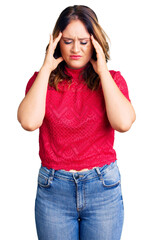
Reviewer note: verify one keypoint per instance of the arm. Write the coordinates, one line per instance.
(31, 110)
(120, 111)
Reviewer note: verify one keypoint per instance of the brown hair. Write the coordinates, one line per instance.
(90, 20)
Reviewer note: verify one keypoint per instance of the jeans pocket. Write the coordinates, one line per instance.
(111, 178)
(44, 178)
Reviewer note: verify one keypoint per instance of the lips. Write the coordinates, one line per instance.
(75, 57)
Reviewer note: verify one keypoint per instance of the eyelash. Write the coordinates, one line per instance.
(83, 43)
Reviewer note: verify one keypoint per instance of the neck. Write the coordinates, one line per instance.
(76, 69)
(76, 73)
(68, 67)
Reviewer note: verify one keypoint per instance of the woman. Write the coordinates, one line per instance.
(77, 104)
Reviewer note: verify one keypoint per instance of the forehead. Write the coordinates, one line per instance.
(76, 29)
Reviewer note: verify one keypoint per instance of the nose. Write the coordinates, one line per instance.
(75, 47)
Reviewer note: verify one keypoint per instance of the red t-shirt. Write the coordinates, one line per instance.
(75, 133)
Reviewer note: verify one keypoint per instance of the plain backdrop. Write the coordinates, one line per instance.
(24, 31)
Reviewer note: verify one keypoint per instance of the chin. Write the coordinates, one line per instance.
(76, 65)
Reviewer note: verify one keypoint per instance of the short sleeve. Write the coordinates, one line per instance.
(30, 82)
(121, 83)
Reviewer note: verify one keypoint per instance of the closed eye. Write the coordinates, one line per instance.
(69, 42)
(83, 43)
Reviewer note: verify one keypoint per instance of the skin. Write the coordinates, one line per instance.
(76, 41)
(119, 110)
(31, 110)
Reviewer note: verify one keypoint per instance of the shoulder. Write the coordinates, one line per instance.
(120, 82)
(34, 76)
(31, 81)
(117, 76)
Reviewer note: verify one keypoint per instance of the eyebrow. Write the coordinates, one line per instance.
(85, 38)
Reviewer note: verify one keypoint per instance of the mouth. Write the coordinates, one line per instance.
(75, 57)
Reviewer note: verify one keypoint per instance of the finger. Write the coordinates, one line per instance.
(93, 39)
(50, 41)
(59, 36)
(60, 59)
(50, 38)
(56, 40)
(95, 44)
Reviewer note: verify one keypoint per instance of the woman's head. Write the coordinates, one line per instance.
(75, 45)
(70, 20)
(77, 22)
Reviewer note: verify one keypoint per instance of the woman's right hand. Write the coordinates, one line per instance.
(50, 62)
(32, 109)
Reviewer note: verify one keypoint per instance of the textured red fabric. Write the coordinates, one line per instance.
(75, 133)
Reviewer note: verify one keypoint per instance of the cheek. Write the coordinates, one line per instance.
(89, 51)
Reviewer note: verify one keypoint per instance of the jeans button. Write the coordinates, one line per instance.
(76, 176)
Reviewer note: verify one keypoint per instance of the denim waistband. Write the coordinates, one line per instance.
(91, 173)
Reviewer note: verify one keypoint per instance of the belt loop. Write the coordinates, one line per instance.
(51, 174)
(99, 173)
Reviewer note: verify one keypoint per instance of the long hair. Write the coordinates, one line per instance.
(90, 20)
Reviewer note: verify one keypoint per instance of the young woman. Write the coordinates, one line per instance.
(77, 104)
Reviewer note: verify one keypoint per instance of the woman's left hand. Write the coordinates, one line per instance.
(119, 110)
(100, 64)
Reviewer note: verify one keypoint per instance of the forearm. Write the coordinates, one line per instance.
(119, 110)
(31, 110)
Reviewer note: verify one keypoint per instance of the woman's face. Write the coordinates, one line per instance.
(75, 45)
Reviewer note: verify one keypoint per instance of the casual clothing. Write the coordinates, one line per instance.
(79, 206)
(75, 133)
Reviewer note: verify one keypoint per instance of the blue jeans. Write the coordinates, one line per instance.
(79, 205)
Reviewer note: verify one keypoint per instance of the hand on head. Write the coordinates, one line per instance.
(49, 61)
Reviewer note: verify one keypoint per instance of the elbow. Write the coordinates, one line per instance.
(29, 126)
(124, 128)
(28, 123)
(126, 125)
